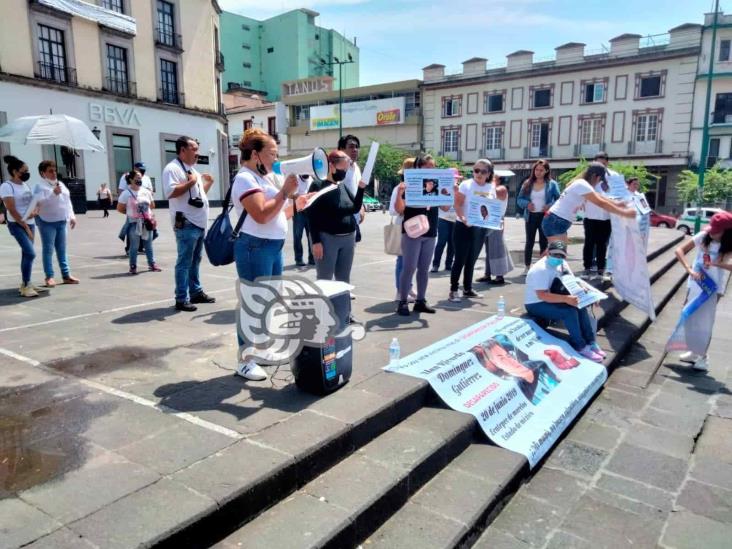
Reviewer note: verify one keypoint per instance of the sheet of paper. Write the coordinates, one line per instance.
(586, 294)
(320, 193)
(370, 162)
(433, 187)
(641, 204)
(31, 207)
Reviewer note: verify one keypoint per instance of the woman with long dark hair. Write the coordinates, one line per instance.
(537, 194)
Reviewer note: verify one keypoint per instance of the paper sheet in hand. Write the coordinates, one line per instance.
(31, 207)
(641, 204)
(618, 188)
(585, 293)
(485, 212)
(317, 195)
(370, 162)
(429, 188)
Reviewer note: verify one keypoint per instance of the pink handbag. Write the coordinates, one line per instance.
(416, 226)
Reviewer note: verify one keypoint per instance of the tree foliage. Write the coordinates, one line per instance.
(717, 186)
(626, 170)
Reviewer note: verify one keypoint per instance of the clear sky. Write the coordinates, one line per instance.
(399, 37)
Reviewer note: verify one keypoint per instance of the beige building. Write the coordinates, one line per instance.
(720, 111)
(140, 73)
(387, 113)
(633, 100)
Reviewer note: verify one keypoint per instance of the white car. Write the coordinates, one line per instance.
(688, 218)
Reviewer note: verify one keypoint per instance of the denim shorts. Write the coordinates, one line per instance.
(553, 225)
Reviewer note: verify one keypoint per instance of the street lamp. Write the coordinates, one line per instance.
(340, 64)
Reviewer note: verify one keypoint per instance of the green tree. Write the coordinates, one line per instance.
(626, 170)
(717, 186)
(388, 163)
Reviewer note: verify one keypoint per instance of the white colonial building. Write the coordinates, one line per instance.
(633, 100)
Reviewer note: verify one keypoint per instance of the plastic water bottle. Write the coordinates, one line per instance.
(501, 307)
(394, 352)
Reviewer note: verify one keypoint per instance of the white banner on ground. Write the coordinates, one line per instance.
(522, 385)
(630, 266)
(432, 187)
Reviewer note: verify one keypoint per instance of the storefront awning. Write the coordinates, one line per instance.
(105, 17)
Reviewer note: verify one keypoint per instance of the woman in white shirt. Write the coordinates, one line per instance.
(104, 195)
(258, 247)
(137, 203)
(17, 197)
(54, 213)
(580, 190)
(498, 262)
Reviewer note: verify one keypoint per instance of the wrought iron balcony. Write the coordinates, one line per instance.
(57, 73)
(167, 38)
(119, 86)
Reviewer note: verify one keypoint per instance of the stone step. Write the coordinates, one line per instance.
(348, 501)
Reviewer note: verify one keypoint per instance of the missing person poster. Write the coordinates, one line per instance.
(586, 294)
(523, 385)
(630, 265)
(485, 212)
(432, 187)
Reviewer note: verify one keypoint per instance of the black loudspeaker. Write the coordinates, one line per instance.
(323, 370)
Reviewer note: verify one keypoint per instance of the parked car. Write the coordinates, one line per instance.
(661, 220)
(370, 203)
(688, 218)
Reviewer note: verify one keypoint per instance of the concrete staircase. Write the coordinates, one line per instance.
(381, 464)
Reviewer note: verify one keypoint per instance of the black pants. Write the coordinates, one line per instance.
(597, 235)
(532, 225)
(467, 242)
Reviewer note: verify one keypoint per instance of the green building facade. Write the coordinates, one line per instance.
(260, 55)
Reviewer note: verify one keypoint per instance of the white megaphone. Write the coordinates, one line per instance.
(314, 165)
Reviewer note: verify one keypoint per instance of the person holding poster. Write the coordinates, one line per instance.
(468, 239)
(706, 283)
(597, 237)
(417, 246)
(536, 196)
(644, 212)
(407, 164)
(351, 145)
(498, 261)
(445, 227)
(541, 302)
(578, 192)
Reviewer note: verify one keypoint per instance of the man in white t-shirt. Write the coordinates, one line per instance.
(186, 190)
(603, 158)
(351, 145)
(146, 181)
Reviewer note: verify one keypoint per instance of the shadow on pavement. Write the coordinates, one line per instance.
(10, 297)
(148, 315)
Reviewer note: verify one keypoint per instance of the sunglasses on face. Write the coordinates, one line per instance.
(479, 170)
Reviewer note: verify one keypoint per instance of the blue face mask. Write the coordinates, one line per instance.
(554, 261)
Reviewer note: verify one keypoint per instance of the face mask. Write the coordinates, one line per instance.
(25, 176)
(339, 175)
(554, 261)
(260, 168)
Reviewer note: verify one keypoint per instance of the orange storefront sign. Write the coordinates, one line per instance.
(388, 117)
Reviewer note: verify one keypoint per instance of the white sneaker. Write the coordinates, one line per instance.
(251, 370)
(689, 357)
(28, 291)
(701, 364)
(454, 297)
(607, 277)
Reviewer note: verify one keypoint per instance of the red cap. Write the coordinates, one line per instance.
(720, 222)
(335, 155)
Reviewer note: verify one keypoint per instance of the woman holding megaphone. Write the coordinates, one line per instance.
(258, 247)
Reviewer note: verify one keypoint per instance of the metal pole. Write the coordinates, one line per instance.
(340, 99)
(705, 131)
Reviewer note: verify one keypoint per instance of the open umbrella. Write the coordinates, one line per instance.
(51, 129)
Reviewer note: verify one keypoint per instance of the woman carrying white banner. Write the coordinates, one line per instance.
(706, 283)
(579, 191)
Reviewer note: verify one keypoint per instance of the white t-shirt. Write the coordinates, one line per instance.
(470, 188)
(538, 199)
(147, 183)
(540, 277)
(22, 195)
(596, 212)
(142, 196)
(247, 183)
(353, 176)
(392, 203)
(449, 215)
(173, 175)
(53, 207)
(122, 185)
(715, 273)
(571, 200)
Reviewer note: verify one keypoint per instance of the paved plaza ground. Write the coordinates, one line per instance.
(105, 389)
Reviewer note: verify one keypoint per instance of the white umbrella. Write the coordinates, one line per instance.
(51, 129)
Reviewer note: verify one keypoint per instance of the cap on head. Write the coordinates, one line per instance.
(557, 247)
(140, 165)
(720, 222)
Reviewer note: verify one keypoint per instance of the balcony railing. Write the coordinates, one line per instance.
(168, 39)
(722, 117)
(493, 154)
(452, 155)
(588, 150)
(118, 86)
(57, 73)
(167, 95)
(538, 152)
(219, 61)
(645, 147)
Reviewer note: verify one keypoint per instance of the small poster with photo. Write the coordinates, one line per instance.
(641, 203)
(485, 212)
(586, 294)
(426, 188)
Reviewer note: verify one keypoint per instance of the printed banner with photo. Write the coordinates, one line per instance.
(630, 266)
(523, 385)
(586, 294)
(429, 188)
(485, 212)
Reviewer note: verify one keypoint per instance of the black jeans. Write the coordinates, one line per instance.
(300, 225)
(467, 242)
(532, 225)
(597, 236)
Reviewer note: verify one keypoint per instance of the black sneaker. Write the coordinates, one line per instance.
(497, 281)
(485, 278)
(202, 298)
(300, 263)
(420, 306)
(403, 309)
(185, 306)
(435, 269)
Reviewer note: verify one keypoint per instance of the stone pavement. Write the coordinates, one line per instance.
(108, 397)
(648, 465)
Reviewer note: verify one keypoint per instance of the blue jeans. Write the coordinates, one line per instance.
(300, 225)
(135, 244)
(577, 321)
(553, 225)
(257, 257)
(189, 240)
(444, 238)
(53, 237)
(28, 254)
